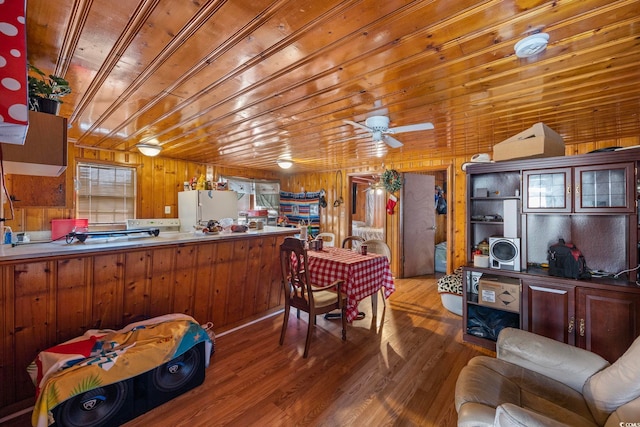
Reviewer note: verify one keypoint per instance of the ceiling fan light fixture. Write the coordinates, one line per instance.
(149, 150)
(380, 123)
(284, 163)
(531, 45)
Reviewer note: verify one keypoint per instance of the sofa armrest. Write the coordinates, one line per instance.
(625, 414)
(563, 362)
(510, 415)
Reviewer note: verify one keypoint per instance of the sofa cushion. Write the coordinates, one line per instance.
(614, 386)
(493, 382)
(626, 413)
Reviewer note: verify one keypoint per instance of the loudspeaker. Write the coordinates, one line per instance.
(475, 280)
(173, 378)
(504, 253)
(118, 403)
(511, 218)
(111, 405)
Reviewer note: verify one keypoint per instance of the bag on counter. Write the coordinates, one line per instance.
(566, 260)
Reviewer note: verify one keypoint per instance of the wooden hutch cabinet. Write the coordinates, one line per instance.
(588, 189)
(590, 200)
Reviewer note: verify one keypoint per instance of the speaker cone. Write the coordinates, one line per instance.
(93, 408)
(176, 373)
(504, 250)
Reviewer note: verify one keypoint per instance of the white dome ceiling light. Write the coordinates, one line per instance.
(150, 150)
(284, 163)
(531, 45)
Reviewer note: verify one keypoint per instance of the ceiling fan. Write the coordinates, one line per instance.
(378, 126)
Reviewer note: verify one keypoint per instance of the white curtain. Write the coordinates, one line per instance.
(375, 208)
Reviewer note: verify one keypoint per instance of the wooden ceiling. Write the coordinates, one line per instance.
(244, 82)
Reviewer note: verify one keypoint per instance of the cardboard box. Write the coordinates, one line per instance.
(500, 292)
(537, 141)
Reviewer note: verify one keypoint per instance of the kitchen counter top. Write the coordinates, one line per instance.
(60, 247)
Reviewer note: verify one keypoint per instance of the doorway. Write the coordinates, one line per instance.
(367, 212)
(424, 223)
(359, 185)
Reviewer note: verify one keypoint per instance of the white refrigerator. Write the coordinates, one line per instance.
(203, 205)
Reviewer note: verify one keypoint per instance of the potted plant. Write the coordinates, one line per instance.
(45, 91)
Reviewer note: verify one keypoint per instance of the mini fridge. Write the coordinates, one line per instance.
(203, 205)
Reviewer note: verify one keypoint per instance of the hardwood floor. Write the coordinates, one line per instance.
(400, 370)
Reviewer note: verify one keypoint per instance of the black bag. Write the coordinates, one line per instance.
(441, 206)
(566, 260)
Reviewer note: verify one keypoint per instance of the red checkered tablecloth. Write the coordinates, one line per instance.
(363, 275)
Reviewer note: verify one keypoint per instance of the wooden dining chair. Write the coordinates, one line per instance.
(301, 294)
(352, 242)
(328, 239)
(376, 246)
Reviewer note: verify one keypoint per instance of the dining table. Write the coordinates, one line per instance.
(363, 275)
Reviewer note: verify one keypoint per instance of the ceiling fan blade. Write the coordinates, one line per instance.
(358, 125)
(411, 128)
(379, 109)
(391, 141)
(359, 136)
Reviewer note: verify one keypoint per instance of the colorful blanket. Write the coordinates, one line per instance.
(301, 208)
(103, 357)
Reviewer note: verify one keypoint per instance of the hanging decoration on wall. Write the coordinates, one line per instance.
(391, 180)
(391, 204)
(339, 200)
(323, 198)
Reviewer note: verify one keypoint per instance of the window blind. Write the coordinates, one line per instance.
(105, 194)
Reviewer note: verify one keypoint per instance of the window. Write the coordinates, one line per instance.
(105, 194)
(255, 194)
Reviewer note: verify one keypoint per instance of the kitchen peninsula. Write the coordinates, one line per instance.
(52, 292)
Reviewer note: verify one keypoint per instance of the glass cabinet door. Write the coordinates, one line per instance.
(604, 188)
(547, 190)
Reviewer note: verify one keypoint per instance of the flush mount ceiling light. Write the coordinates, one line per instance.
(284, 163)
(531, 45)
(149, 149)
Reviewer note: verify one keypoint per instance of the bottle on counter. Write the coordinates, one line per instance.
(8, 236)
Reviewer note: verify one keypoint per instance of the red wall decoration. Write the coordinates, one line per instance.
(14, 112)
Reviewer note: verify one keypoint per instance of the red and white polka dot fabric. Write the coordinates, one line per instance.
(14, 112)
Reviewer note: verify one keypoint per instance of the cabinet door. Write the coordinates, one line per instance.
(608, 321)
(33, 191)
(549, 310)
(605, 188)
(547, 190)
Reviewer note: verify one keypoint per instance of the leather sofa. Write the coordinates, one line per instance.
(536, 381)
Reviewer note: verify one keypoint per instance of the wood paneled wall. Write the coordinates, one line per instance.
(160, 180)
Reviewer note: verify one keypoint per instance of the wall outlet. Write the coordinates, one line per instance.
(167, 209)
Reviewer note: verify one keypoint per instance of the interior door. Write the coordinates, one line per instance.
(418, 225)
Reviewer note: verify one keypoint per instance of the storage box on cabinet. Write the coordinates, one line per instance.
(537, 141)
(502, 293)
